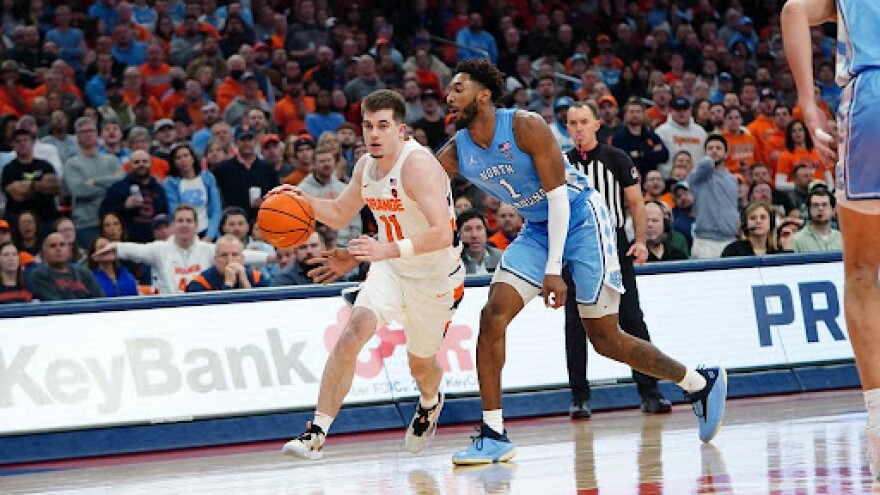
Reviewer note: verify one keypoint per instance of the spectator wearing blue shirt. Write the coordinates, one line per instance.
(477, 40)
(71, 41)
(144, 14)
(106, 13)
(96, 88)
(126, 50)
(323, 119)
(110, 274)
(210, 116)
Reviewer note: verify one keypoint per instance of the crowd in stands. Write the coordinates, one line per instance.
(138, 138)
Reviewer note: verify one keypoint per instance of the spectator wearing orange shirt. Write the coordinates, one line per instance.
(13, 94)
(174, 96)
(231, 85)
(139, 139)
(774, 143)
(763, 126)
(509, 224)
(657, 114)
(290, 111)
(655, 189)
(140, 33)
(53, 80)
(156, 73)
(799, 150)
(742, 147)
(189, 110)
(132, 83)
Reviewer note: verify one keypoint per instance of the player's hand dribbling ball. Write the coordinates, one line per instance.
(286, 219)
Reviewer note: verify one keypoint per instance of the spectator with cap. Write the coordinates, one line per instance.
(657, 113)
(290, 112)
(683, 212)
(165, 133)
(608, 115)
(642, 145)
(478, 256)
(115, 106)
(745, 34)
(725, 85)
(432, 120)
(86, 178)
(228, 270)
(161, 227)
(680, 132)
(250, 97)
(558, 128)
(303, 161)
(29, 182)
(210, 114)
(191, 185)
(137, 198)
(245, 179)
(762, 126)
(272, 150)
(366, 81)
(249, 54)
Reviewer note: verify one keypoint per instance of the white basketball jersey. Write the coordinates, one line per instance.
(400, 217)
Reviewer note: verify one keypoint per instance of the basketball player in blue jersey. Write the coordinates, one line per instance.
(858, 168)
(511, 154)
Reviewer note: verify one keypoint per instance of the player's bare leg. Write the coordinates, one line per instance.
(492, 444)
(335, 383)
(427, 374)
(706, 388)
(861, 260)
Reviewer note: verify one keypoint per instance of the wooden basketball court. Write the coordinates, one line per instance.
(796, 444)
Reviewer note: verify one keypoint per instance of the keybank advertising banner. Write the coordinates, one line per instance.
(173, 364)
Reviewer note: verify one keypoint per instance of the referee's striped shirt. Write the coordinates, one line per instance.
(609, 171)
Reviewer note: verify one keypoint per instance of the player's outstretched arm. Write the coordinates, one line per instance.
(797, 17)
(535, 138)
(335, 213)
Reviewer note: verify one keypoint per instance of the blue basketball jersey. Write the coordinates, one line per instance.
(858, 39)
(509, 174)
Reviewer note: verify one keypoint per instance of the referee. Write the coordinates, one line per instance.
(612, 174)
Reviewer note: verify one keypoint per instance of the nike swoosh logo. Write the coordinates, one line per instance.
(443, 294)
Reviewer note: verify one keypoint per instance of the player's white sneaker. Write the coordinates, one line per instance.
(308, 445)
(422, 426)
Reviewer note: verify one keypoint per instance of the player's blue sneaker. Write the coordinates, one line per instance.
(487, 447)
(709, 403)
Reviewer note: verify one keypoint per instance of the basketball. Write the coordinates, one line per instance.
(286, 220)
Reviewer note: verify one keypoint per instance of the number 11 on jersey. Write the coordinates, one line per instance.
(392, 235)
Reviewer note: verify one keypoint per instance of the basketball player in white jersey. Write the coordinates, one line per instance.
(858, 168)
(416, 277)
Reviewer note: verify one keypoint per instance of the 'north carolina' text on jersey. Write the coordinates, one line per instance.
(508, 173)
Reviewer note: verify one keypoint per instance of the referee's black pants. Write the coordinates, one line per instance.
(630, 318)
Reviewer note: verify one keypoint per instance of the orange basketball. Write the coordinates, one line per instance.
(286, 220)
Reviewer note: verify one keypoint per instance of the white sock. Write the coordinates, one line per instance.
(428, 404)
(323, 420)
(494, 420)
(872, 404)
(692, 381)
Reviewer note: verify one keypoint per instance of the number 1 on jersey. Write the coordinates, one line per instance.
(510, 189)
(397, 233)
